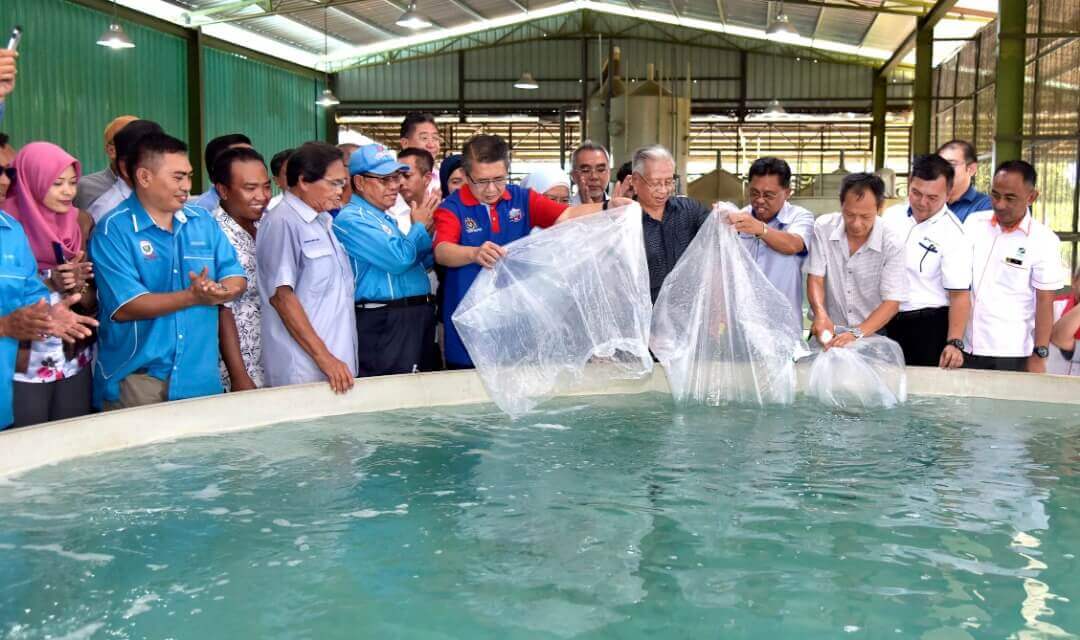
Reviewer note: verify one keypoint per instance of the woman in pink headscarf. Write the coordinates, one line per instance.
(52, 382)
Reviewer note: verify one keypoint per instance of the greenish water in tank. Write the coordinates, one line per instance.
(606, 517)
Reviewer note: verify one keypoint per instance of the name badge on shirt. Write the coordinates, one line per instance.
(471, 226)
(1018, 259)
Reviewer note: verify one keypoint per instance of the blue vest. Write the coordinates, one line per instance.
(476, 228)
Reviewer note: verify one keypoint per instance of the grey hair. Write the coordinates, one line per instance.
(589, 145)
(654, 152)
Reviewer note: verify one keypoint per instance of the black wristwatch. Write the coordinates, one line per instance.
(956, 342)
(1042, 352)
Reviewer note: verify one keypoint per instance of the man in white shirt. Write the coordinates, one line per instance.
(124, 142)
(1016, 270)
(930, 325)
(590, 169)
(775, 232)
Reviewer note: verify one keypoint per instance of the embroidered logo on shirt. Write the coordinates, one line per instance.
(147, 249)
(471, 226)
(515, 215)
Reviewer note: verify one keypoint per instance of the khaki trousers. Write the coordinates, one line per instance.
(138, 390)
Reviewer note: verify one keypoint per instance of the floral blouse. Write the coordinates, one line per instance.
(48, 363)
(245, 309)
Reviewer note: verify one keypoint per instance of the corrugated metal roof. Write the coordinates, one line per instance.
(365, 25)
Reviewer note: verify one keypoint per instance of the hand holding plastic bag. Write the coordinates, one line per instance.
(868, 373)
(572, 294)
(717, 324)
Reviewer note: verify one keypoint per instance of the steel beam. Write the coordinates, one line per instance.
(1009, 92)
(929, 21)
(196, 104)
(877, 125)
(923, 100)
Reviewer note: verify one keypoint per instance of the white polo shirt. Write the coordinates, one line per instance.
(938, 256)
(1008, 268)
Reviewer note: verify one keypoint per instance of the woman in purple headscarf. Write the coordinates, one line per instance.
(52, 381)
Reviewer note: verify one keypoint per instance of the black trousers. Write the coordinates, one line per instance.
(37, 402)
(992, 363)
(922, 335)
(396, 340)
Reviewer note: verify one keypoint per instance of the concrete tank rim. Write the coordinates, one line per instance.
(27, 448)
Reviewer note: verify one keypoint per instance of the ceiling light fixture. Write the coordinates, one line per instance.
(413, 19)
(327, 97)
(114, 37)
(527, 82)
(781, 25)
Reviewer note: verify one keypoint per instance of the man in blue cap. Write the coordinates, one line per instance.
(395, 311)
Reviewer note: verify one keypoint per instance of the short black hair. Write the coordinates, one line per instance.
(770, 166)
(412, 119)
(279, 160)
(310, 161)
(1026, 171)
(484, 148)
(128, 137)
(860, 183)
(963, 145)
(219, 144)
(222, 169)
(423, 159)
(4, 139)
(625, 170)
(930, 167)
(150, 147)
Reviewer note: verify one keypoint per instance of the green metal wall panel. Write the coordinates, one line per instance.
(272, 106)
(69, 88)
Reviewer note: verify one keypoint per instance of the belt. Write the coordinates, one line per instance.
(413, 301)
(918, 313)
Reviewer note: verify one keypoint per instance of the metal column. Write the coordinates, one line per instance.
(877, 124)
(923, 102)
(196, 103)
(1009, 94)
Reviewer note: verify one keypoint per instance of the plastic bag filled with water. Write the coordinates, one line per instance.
(574, 294)
(866, 374)
(720, 327)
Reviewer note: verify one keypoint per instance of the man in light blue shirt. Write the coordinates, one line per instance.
(24, 312)
(775, 232)
(395, 312)
(162, 268)
(210, 199)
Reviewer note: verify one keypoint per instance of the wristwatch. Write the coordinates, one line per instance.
(1042, 352)
(857, 332)
(956, 342)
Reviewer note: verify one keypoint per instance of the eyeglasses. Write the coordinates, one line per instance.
(427, 137)
(337, 184)
(9, 172)
(769, 196)
(588, 171)
(498, 183)
(663, 185)
(386, 180)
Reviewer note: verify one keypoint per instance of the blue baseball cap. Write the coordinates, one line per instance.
(374, 159)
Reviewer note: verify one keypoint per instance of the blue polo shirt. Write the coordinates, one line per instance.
(969, 203)
(134, 257)
(387, 264)
(464, 220)
(19, 286)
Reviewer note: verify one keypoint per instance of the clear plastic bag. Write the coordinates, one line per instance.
(561, 298)
(868, 373)
(717, 325)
